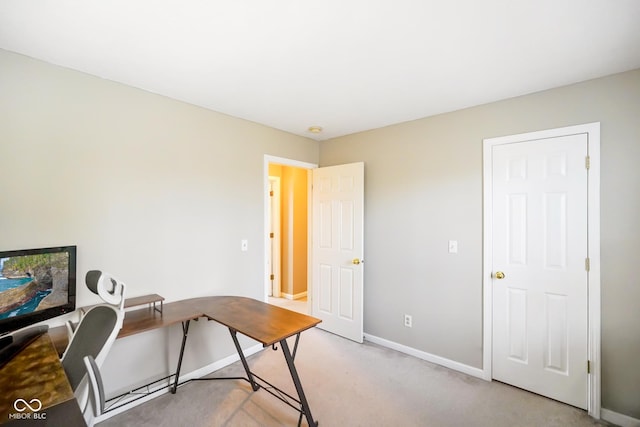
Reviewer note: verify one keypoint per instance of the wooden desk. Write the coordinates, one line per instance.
(265, 323)
(36, 373)
(268, 325)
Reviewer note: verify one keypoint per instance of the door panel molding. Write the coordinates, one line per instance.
(592, 130)
(338, 247)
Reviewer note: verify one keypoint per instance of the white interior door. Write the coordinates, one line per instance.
(540, 278)
(337, 260)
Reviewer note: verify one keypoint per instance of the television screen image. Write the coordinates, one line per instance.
(35, 285)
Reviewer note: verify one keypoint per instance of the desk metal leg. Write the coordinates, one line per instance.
(254, 385)
(185, 332)
(296, 381)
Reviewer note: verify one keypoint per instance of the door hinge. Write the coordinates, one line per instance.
(271, 193)
(271, 235)
(588, 366)
(272, 277)
(587, 162)
(587, 264)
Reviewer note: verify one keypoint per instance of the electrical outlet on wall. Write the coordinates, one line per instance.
(408, 320)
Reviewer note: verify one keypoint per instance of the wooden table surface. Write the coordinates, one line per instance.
(34, 373)
(265, 323)
(259, 320)
(147, 319)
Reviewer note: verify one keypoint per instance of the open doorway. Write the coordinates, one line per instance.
(333, 264)
(286, 222)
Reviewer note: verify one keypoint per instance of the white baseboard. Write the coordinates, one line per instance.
(447, 363)
(198, 373)
(294, 296)
(618, 419)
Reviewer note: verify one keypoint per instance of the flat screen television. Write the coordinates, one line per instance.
(36, 285)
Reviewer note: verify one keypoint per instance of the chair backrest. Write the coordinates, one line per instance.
(93, 337)
(95, 407)
(95, 333)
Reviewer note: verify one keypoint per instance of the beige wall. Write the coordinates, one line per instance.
(155, 191)
(299, 241)
(423, 186)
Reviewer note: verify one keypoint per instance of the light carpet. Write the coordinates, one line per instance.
(351, 384)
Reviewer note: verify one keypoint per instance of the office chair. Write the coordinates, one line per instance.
(95, 406)
(95, 333)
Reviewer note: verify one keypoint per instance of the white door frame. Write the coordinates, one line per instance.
(273, 257)
(593, 249)
(298, 164)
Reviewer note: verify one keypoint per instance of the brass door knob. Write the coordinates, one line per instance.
(499, 275)
(357, 261)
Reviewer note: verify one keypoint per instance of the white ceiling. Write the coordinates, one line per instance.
(344, 65)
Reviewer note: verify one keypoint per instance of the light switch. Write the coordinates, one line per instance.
(244, 245)
(453, 246)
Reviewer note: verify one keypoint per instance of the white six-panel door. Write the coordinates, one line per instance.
(540, 280)
(337, 264)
